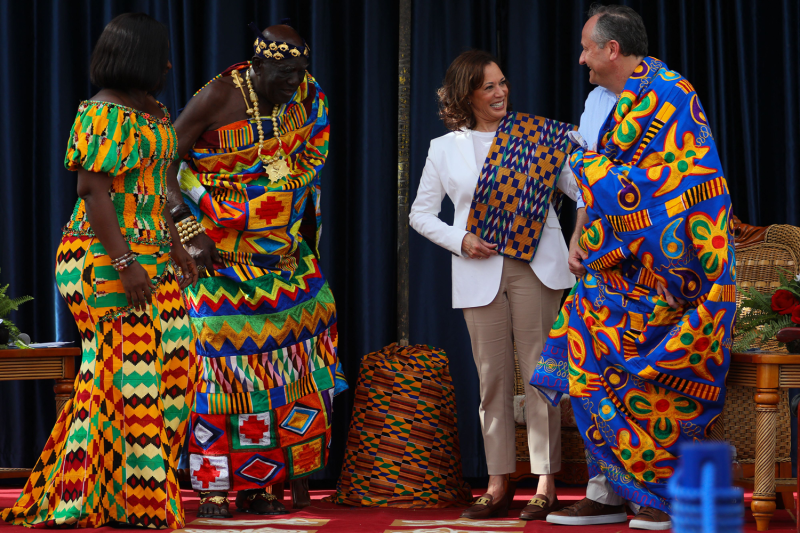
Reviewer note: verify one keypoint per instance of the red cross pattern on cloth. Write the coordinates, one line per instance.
(253, 429)
(269, 209)
(206, 474)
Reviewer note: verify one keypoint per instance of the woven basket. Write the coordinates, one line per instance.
(402, 448)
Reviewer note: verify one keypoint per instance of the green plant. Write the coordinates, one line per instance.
(8, 304)
(761, 316)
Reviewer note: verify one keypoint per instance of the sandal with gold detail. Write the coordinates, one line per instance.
(259, 501)
(539, 507)
(218, 502)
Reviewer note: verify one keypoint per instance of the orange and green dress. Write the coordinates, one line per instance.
(113, 453)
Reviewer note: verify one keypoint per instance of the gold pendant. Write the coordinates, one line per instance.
(277, 170)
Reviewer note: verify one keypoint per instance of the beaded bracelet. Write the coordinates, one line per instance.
(188, 229)
(180, 212)
(122, 258)
(124, 261)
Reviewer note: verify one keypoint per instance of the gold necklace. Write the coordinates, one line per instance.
(275, 166)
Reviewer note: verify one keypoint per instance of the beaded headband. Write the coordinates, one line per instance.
(276, 50)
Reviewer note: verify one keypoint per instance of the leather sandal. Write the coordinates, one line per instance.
(221, 502)
(538, 508)
(245, 501)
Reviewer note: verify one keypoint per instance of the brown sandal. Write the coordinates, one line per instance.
(245, 501)
(221, 502)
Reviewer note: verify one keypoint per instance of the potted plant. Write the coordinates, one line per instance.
(761, 316)
(8, 331)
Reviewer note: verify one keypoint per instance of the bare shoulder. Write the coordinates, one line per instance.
(111, 96)
(216, 94)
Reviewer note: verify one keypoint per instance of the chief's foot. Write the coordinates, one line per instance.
(652, 519)
(259, 501)
(588, 512)
(214, 505)
(300, 497)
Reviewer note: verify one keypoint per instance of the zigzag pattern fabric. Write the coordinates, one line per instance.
(645, 378)
(266, 322)
(402, 448)
(518, 183)
(113, 453)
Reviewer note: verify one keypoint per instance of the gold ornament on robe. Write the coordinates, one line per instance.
(277, 170)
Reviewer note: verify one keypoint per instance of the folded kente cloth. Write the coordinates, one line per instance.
(518, 182)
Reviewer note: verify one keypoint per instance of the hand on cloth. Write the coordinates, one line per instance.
(138, 285)
(474, 247)
(577, 256)
(673, 302)
(203, 250)
(188, 269)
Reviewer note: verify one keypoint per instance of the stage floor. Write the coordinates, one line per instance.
(325, 517)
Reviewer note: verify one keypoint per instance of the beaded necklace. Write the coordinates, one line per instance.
(275, 166)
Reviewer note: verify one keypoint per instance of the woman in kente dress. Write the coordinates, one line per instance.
(113, 452)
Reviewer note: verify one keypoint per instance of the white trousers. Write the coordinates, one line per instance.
(601, 491)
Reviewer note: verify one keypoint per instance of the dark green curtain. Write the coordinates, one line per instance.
(741, 56)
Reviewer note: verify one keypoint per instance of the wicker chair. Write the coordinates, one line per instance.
(759, 250)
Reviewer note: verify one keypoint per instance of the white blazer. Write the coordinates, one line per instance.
(451, 170)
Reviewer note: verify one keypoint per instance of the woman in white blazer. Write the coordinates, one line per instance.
(504, 300)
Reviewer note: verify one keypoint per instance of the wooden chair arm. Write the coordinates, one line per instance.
(745, 234)
(788, 335)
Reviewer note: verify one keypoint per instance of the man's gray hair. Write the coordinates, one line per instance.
(621, 24)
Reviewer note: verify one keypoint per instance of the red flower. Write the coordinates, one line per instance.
(796, 314)
(783, 302)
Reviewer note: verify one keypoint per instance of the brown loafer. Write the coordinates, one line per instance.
(538, 508)
(486, 507)
(652, 519)
(588, 512)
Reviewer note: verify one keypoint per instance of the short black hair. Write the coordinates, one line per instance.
(131, 53)
(621, 24)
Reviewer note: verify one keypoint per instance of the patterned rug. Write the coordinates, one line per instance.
(322, 517)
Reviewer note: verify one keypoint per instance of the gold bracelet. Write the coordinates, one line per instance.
(189, 228)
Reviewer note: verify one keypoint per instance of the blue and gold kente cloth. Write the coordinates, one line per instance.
(645, 378)
(518, 182)
(266, 321)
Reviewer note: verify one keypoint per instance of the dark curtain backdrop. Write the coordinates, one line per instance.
(741, 56)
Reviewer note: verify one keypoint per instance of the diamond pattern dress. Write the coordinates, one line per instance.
(113, 452)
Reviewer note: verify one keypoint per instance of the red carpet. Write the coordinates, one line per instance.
(325, 517)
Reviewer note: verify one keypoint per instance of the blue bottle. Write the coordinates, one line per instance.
(703, 498)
